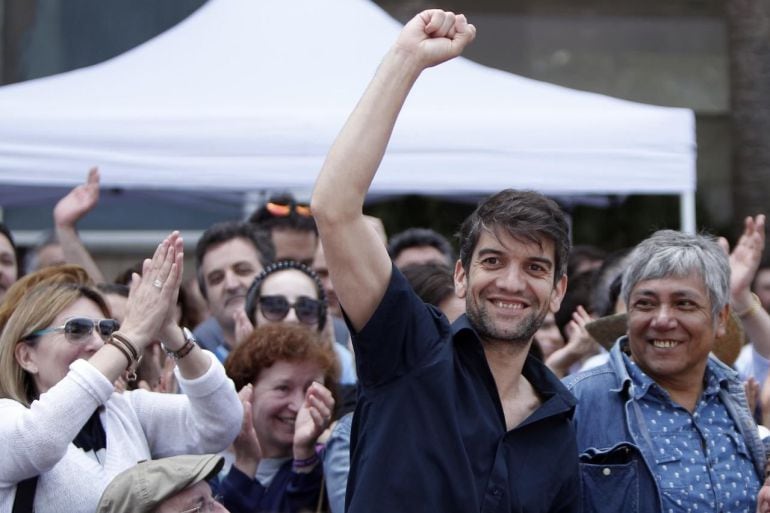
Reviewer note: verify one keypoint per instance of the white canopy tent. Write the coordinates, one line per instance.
(248, 95)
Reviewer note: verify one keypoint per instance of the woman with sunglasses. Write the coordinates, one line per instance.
(66, 432)
(289, 361)
(289, 291)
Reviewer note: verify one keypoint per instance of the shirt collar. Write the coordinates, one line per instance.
(543, 380)
(713, 380)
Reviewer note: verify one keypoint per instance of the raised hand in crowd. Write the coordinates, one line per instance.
(763, 499)
(66, 214)
(580, 344)
(163, 379)
(67, 353)
(751, 389)
(243, 326)
(744, 262)
(312, 419)
(246, 447)
(435, 36)
(152, 296)
(764, 402)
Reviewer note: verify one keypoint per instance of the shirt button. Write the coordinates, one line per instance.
(606, 471)
(496, 491)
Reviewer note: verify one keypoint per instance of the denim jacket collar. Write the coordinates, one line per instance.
(721, 372)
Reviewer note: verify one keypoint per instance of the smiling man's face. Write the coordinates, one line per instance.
(228, 270)
(671, 329)
(509, 286)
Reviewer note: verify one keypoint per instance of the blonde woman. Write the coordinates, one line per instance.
(65, 430)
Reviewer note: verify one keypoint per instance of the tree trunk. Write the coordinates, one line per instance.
(748, 23)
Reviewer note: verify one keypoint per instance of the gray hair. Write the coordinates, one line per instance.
(669, 253)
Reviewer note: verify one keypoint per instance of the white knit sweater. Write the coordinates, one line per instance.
(139, 425)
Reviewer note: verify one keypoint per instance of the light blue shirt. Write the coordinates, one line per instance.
(701, 460)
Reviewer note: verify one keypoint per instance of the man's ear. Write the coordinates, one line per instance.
(461, 287)
(722, 317)
(557, 294)
(25, 357)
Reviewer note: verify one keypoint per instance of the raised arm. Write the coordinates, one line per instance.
(67, 212)
(744, 262)
(358, 261)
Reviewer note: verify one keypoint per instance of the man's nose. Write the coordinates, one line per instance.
(232, 280)
(511, 279)
(663, 318)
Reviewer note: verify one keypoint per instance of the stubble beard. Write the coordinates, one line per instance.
(520, 334)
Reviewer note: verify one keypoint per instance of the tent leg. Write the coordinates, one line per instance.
(687, 212)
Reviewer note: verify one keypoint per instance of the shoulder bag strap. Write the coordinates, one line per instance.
(25, 496)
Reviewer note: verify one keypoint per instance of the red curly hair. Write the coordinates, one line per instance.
(272, 343)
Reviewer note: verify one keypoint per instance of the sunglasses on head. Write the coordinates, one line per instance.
(78, 330)
(284, 209)
(276, 308)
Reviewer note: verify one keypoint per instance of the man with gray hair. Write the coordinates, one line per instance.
(664, 426)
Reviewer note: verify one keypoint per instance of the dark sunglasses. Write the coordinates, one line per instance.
(276, 308)
(285, 209)
(78, 330)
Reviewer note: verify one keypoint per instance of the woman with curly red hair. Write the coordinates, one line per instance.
(281, 370)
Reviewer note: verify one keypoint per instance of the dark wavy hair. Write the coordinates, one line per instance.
(252, 297)
(220, 233)
(526, 216)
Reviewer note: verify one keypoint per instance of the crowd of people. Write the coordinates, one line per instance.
(313, 364)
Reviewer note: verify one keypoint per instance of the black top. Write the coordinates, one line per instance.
(429, 432)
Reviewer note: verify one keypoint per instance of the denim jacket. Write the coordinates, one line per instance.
(616, 450)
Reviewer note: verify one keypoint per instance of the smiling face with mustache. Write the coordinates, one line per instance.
(228, 269)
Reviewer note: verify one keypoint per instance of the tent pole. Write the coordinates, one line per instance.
(687, 212)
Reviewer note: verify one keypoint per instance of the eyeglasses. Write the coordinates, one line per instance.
(205, 505)
(276, 308)
(285, 209)
(78, 330)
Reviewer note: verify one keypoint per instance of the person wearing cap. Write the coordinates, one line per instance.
(167, 485)
(664, 425)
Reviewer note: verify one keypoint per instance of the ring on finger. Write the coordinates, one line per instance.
(157, 283)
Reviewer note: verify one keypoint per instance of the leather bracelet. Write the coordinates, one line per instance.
(122, 350)
(132, 364)
(183, 351)
(129, 345)
(129, 350)
(751, 310)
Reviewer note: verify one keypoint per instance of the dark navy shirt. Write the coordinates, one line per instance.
(429, 431)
